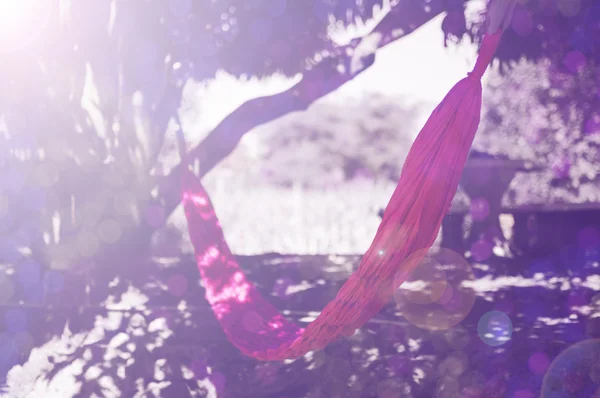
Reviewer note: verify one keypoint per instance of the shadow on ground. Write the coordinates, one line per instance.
(161, 338)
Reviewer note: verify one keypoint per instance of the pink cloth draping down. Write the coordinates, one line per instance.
(411, 222)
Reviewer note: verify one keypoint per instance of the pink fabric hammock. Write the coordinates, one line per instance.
(411, 222)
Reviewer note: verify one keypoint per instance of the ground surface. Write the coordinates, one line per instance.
(161, 339)
(389, 357)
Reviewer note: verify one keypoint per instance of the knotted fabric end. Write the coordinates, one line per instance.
(486, 52)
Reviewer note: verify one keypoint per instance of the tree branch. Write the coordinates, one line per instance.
(343, 65)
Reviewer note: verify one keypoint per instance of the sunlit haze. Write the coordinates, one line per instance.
(409, 67)
(21, 21)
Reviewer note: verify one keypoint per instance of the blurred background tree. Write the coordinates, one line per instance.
(543, 114)
(91, 92)
(330, 143)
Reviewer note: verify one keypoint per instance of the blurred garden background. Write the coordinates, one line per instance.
(298, 115)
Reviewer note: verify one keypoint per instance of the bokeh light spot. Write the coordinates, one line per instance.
(480, 209)
(435, 296)
(594, 372)
(569, 8)
(482, 250)
(522, 22)
(451, 302)
(393, 388)
(454, 365)
(574, 372)
(457, 337)
(495, 328)
(433, 283)
(538, 363)
(447, 387)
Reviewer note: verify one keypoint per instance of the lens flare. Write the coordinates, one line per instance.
(495, 328)
(435, 297)
(575, 372)
(22, 22)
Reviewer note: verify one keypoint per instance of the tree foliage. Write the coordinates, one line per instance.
(564, 31)
(90, 96)
(526, 117)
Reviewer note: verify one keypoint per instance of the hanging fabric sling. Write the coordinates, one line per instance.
(411, 222)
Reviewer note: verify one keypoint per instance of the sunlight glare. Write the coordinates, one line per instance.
(21, 22)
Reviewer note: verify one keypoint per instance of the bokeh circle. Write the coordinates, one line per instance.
(575, 372)
(437, 295)
(495, 328)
